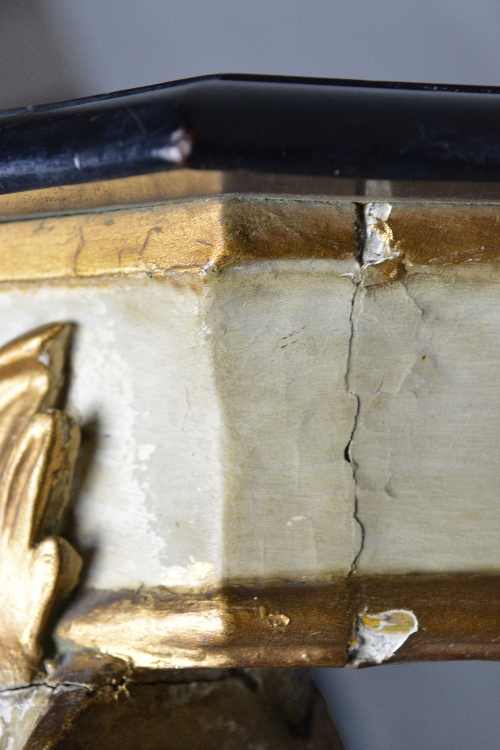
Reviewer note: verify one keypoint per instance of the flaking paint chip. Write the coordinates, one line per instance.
(378, 636)
(378, 244)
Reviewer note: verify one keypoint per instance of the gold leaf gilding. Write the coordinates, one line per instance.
(31, 378)
(37, 456)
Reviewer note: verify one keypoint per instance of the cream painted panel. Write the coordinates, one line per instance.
(221, 409)
(426, 367)
(150, 505)
(281, 338)
(215, 417)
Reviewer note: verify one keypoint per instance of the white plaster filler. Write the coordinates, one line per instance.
(378, 245)
(19, 711)
(378, 636)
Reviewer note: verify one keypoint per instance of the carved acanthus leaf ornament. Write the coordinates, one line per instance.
(38, 448)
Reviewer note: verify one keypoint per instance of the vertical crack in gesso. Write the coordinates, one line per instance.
(361, 233)
(348, 450)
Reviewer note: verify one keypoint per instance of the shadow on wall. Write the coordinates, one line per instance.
(421, 706)
(35, 66)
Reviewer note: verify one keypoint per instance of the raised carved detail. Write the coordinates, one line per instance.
(38, 448)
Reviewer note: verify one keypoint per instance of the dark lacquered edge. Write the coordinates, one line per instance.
(348, 129)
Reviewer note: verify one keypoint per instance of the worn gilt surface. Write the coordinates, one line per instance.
(289, 450)
(38, 447)
(269, 390)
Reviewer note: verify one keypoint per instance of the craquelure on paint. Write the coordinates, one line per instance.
(288, 382)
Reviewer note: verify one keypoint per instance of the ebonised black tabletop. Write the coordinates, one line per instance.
(341, 128)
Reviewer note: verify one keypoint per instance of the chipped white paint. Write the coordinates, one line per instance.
(294, 519)
(195, 577)
(144, 452)
(106, 375)
(177, 150)
(378, 245)
(378, 636)
(279, 620)
(44, 359)
(142, 378)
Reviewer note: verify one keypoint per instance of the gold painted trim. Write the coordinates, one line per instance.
(37, 456)
(192, 236)
(286, 625)
(208, 234)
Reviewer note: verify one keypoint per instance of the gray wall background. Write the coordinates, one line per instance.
(53, 49)
(58, 49)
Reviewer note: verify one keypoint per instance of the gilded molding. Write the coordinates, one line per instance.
(192, 236)
(285, 624)
(38, 448)
(206, 234)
